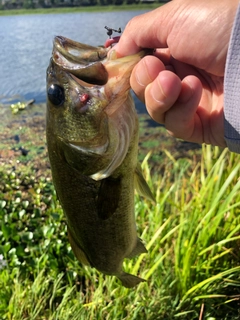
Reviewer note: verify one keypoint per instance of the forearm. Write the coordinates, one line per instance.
(232, 89)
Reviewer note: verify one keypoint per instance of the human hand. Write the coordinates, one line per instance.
(182, 84)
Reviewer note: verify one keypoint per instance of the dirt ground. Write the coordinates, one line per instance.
(23, 140)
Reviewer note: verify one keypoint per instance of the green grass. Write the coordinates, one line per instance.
(192, 235)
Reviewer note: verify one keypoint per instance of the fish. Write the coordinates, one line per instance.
(92, 140)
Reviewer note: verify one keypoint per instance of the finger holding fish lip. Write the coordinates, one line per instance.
(153, 84)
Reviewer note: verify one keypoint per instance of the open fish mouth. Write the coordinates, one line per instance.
(83, 61)
(91, 64)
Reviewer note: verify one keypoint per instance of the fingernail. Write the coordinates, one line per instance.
(186, 92)
(157, 90)
(141, 74)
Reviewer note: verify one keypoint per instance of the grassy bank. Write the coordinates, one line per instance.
(108, 8)
(192, 235)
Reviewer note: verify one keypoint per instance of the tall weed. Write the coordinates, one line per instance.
(191, 233)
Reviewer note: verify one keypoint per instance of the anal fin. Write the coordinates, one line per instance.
(139, 248)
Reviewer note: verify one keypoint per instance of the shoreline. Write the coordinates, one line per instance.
(84, 9)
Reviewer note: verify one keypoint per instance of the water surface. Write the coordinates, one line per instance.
(26, 45)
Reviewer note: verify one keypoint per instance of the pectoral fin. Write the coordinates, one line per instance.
(141, 184)
(79, 253)
(108, 197)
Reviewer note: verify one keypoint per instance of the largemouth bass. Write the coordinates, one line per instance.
(92, 138)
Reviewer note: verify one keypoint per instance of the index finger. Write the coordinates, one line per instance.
(144, 31)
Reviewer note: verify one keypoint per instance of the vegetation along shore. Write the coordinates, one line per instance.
(31, 7)
(192, 234)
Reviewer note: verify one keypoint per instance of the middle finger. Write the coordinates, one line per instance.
(144, 73)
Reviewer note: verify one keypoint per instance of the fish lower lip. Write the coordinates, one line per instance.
(79, 81)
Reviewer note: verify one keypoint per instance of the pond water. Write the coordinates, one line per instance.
(26, 45)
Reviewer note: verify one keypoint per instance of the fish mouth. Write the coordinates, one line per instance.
(90, 64)
(97, 69)
(79, 52)
(83, 61)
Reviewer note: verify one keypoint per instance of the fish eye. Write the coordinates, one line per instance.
(56, 94)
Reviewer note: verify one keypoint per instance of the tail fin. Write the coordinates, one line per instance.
(128, 280)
